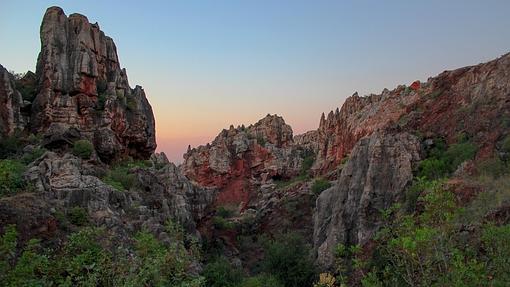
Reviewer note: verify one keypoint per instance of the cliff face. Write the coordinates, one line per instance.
(375, 177)
(82, 88)
(375, 133)
(240, 157)
(11, 105)
(471, 100)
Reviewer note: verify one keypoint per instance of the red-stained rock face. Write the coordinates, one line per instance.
(241, 156)
(83, 88)
(472, 100)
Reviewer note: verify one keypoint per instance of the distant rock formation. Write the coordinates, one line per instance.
(84, 92)
(240, 156)
(471, 100)
(11, 105)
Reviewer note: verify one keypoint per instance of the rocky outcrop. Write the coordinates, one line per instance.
(471, 100)
(160, 193)
(240, 157)
(359, 116)
(375, 177)
(11, 105)
(83, 88)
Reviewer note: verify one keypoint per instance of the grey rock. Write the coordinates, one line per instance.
(374, 178)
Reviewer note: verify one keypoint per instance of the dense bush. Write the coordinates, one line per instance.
(319, 185)
(33, 155)
(441, 161)
(10, 146)
(221, 223)
(83, 149)
(85, 260)
(220, 273)
(288, 259)
(430, 247)
(306, 165)
(11, 176)
(261, 280)
(77, 216)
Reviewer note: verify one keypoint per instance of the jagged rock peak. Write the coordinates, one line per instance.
(11, 105)
(82, 87)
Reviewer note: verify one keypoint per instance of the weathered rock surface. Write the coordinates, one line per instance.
(82, 87)
(161, 193)
(11, 105)
(472, 100)
(375, 177)
(238, 157)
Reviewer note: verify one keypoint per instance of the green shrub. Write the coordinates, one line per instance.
(430, 247)
(84, 260)
(131, 103)
(101, 102)
(83, 149)
(493, 167)
(505, 144)
(224, 212)
(33, 155)
(292, 181)
(28, 91)
(221, 223)
(220, 273)
(308, 160)
(319, 185)
(10, 147)
(496, 243)
(78, 216)
(101, 86)
(120, 178)
(288, 259)
(441, 161)
(11, 177)
(433, 168)
(262, 280)
(458, 153)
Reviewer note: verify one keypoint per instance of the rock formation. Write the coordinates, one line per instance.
(82, 88)
(160, 193)
(471, 100)
(375, 177)
(238, 157)
(11, 105)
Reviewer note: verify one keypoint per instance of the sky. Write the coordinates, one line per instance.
(206, 65)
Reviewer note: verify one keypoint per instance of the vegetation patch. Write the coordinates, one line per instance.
(443, 161)
(220, 273)
(11, 177)
(287, 258)
(319, 185)
(84, 260)
(83, 149)
(78, 216)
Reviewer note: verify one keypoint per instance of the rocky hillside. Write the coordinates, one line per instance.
(406, 188)
(239, 159)
(471, 100)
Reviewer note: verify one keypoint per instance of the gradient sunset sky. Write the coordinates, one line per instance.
(205, 65)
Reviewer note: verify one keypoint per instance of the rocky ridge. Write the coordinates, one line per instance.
(242, 157)
(83, 92)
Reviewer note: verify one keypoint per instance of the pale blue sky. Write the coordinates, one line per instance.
(208, 64)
